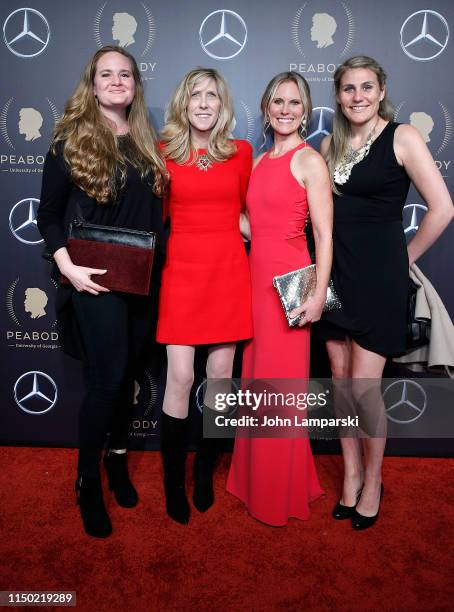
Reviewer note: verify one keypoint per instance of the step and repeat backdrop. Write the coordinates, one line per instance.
(44, 48)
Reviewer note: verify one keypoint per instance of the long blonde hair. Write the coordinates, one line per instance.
(176, 134)
(270, 92)
(341, 126)
(89, 145)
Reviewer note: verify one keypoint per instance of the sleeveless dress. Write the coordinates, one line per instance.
(370, 264)
(275, 477)
(205, 294)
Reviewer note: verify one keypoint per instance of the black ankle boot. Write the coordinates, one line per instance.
(174, 452)
(116, 465)
(204, 462)
(92, 509)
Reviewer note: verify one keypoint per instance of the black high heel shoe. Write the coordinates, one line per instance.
(341, 512)
(359, 521)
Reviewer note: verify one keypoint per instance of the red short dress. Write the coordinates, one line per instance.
(205, 294)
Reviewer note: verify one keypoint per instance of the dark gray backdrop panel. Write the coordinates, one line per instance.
(42, 55)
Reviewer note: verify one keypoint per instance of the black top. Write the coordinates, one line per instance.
(136, 207)
(370, 261)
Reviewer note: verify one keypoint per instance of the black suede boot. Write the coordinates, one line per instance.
(174, 452)
(116, 465)
(204, 462)
(92, 509)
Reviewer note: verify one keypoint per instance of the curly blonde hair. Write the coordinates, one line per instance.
(176, 134)
(90, 147)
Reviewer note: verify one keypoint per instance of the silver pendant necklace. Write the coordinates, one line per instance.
(204, 163)
(352, 157)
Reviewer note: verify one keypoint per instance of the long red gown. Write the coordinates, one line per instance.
(205, 295)
(275, 477)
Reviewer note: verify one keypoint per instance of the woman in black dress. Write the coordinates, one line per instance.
(372, 161)
(104, 162)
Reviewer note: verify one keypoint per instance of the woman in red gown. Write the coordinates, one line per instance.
(275, 477)
(205, 294)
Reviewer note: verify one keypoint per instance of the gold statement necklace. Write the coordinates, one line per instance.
(352, 157)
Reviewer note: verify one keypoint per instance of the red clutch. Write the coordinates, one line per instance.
(126, 254)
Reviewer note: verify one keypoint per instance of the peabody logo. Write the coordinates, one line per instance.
(145, 401)
(124, 29)
(26, 32)
(436, 128)
(323, 30)
(25, 303)
(22, 128)
(223, 34)
(22, 221)
(412, 217)
(321, 124)
(405, 401)
(35, 392)
(424, 35)
(243, 127)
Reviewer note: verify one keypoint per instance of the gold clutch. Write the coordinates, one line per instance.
(295, 287)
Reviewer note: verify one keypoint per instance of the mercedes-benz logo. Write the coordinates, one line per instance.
(35, 27)
(213, 33)
(321, 122)
(22, 221)
(199, 396)
(407, 397)
(434, 32)
(35, 392)
(415, 216)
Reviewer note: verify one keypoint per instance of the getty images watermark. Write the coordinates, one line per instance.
(326, 409)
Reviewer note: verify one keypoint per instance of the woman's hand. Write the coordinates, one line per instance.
(80, 278)
(310, 310)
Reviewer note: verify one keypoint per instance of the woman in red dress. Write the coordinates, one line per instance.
(275, 477)
(205, 295)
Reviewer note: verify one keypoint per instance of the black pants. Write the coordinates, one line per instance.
(115, 328)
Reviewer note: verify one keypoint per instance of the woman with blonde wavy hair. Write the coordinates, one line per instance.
(205, 296)
(103, 164)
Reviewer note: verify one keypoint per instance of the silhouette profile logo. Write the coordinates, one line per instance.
(405, 401)
(323, 28)
(123, 29)
(424, 35)
(336, 30)
(22, 221)
(223, 34)
(26, 32)
(423, 123)
(35, 392)
(413, 214)
(436, 128)
(30, 122)
(35, 302)
(26, 121)
(25, 302)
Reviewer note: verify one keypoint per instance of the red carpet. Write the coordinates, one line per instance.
(224, 560)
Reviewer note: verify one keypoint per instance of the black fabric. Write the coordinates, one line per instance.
(136, 207)
(115, 329)
(370, 265)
